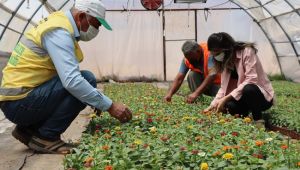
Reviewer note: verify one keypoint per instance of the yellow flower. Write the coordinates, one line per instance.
(227, 156)
(190, 127)
(138, 141)
(153, 129)
(204, 166)
(118, 128)
(93, 115)
(186, 118)
(247, 120)
(222, 121)
(193, 118)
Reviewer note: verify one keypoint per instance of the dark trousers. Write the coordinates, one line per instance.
(195, 79)
(252, 100)
(48, 110)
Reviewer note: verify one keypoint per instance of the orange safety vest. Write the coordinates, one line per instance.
(205, 64)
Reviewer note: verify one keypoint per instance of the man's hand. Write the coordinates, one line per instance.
(168, 98)
(120, 112)
(191, 98)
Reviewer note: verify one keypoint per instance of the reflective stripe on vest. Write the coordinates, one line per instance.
(33, 47)
(13, 91)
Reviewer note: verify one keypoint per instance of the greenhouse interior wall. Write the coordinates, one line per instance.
(135, 49)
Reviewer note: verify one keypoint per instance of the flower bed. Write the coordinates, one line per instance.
(177, 136)
(286, 112)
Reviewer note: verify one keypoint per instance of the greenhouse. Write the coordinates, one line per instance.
(150, 84)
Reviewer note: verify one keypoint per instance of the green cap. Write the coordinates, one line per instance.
(104, 23)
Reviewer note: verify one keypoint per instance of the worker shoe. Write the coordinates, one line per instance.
(22, 134)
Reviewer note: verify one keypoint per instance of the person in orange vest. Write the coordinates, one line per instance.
(202, 78)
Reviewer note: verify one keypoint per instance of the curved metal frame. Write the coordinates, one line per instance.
(10, 19)
(43, 2)
(29, 20)
(276, 20)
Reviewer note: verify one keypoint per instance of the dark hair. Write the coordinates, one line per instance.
(220, 40)
(223, 41)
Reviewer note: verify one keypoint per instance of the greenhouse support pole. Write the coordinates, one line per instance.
(164, 40)
(196, 26)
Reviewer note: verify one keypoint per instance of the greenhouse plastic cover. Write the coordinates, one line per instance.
(135, 49)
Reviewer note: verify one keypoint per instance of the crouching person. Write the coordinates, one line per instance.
(43, 90)
(202, 78)
(245, 86)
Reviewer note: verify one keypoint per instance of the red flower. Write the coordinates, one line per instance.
(97, 131)
(195, 152)
(259, 156)
(149, 120)
(106, 130)
(98, 126)
(235, 134)
(236, 115)
(284, 147)
(189, 141)
(109, 167)
(146, 145)
(223, 134)
(182, 148)
(164, 138)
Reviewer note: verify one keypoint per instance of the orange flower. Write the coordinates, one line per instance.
(89, 160)
(217, 153)
(225, 148)
(259, 143)
(197, 138)
(284, 147)
(107, 136)
(298, 163)
(236, 147)
(119, 132)
(243, 142)
(105, 147)
(109, 167)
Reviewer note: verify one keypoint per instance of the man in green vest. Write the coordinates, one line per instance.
(43, 90)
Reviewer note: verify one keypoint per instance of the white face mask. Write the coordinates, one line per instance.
(91, 33)
(220, 57)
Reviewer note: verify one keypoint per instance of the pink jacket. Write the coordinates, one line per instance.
(250, 71)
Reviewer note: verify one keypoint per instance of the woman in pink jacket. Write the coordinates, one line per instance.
(244, 84)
